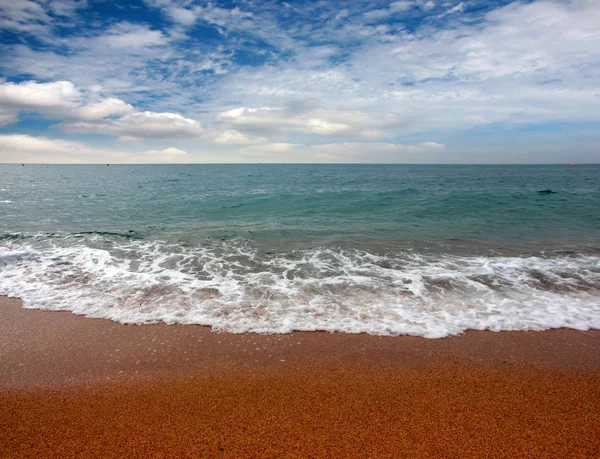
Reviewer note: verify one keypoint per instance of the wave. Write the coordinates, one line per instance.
(239, 286)
(130, 234)
(125, 234)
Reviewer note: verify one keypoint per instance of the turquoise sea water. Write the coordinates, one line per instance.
(385, 249)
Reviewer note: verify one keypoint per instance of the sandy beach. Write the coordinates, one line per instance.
(78, 387)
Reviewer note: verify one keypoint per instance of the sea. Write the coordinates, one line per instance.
(424, 250)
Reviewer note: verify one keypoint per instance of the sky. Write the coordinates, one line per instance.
(306, 81)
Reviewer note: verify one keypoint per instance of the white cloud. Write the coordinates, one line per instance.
(25, 148)
(271, 152)
(348, 152)
(141, 125)
(107, 107)
(402, 5)
(29, 144)
(56, 100)
(182, 16)
(62, 100)
(456, 8)
(167, 155)
(38, 17)
(185, 14)
(375, 15)
(32, 95)
(321, 121)
(342, 14)
(173, 151)
(229, 18)
(23, 15)
(232, 137)
(393, 8)
(132, 36)
(61, 96)
(8, 117)
(66, 7)
(30, 149)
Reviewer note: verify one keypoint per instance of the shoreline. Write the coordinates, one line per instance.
(74, 386)
(37, 349)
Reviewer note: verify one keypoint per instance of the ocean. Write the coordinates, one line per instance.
(426, 250)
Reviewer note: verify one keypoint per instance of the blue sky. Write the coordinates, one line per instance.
(409, 81)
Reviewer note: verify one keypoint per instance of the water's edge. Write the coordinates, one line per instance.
(238, 286)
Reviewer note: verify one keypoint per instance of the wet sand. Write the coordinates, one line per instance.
(77, 387)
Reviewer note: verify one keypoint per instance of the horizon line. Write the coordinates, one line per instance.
(299, 164)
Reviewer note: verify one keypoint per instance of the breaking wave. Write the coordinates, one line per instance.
(239, 286)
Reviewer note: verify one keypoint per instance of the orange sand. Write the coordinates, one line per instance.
(69, 388)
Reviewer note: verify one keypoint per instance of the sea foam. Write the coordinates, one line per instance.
(236, 286)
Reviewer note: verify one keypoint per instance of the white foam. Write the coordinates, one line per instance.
(234, 287)
(6, 201)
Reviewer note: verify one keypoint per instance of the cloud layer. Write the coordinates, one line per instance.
(301, 81)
